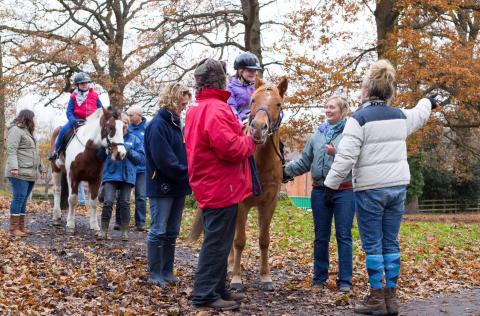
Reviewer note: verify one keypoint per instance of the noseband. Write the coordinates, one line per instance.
(272, 128)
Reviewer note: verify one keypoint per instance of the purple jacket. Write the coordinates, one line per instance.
(240, 97)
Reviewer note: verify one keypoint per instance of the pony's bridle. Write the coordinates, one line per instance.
(272, 128)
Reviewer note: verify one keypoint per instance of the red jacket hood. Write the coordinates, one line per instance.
(207, 93)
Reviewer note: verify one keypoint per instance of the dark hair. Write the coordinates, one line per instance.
(24, 119)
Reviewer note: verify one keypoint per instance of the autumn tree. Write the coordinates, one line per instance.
(121, 43)
(434, 46)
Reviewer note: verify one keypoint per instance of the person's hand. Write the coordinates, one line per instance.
(329, 197)
(434, 100)
(330, 149)
(78, 123)
(286, 178)
(14, 172)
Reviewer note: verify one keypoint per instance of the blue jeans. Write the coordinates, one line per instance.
(81, 194)
(343, 212)
(379, 215)
(110, 189)
(62, 132)
(21, 189)
(166, 216)
(140, 199)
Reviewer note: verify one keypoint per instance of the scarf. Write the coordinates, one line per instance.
(81, 96)
(329, 130)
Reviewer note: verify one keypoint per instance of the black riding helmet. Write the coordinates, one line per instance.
(81, 77)
(247, 60)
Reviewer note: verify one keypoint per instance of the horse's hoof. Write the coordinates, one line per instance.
(237, 287)
(266, 286)
(57, 222)
(70, 231)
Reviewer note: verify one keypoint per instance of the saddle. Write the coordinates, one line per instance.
(67, 137)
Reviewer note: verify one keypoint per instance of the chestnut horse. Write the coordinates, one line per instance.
(265, 119)
(102, 129)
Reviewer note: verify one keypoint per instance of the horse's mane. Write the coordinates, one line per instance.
(96, 115)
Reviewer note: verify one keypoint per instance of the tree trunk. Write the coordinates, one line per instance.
(251, 17)
(412, 206)
(2, 119)
(386, 19)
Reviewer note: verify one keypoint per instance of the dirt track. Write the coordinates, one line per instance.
(283, 301)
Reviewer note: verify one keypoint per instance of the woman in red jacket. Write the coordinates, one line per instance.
(219, 175)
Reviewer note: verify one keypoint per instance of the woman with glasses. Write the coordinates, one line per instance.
(167, 181)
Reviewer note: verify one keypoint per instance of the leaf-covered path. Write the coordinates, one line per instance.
(55, 274)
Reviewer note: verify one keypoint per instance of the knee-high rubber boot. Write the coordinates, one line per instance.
(169, 259)
(155, 262)
(103, 232)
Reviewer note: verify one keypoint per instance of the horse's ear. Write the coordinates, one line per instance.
(282, 86)
(258, 82)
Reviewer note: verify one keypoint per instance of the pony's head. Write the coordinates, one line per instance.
(112, 133)
(266, 109)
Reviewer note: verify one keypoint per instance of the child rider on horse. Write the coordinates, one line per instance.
(83, 102)
(241, 85)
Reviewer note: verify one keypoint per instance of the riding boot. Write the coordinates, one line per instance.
(374, 304)
(124, 231)
(168, 260)
(23, 226)
(14, 227)
(103, 232)
(53, 156)
(155, 262)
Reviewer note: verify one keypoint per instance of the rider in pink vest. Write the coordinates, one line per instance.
(83, 102)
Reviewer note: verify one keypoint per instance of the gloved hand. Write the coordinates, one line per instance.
(433, 100)
(286, 178)
(329, 197)
(78, 123)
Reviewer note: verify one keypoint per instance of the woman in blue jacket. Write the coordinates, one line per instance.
(167, 182)
(317, 157)
(120, 175)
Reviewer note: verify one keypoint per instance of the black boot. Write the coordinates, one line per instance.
(53, 156)
(169, 258)
(155, 262)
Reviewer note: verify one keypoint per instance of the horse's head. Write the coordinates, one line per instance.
(266, 109)
(112, 133)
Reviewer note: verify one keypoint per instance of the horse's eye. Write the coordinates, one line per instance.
(279, 104)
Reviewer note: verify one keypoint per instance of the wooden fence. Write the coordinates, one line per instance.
(448, 206)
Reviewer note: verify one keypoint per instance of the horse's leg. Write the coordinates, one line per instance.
(238, 246)
(72, 202)
(93, 188)
(57, 191)
(265, 214)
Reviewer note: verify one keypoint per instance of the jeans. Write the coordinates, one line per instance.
(123, 200)
(21, 189)
(211, 274)
(81, 194)
(166, 216)
(62, 132)
(343, 212)
(140, 199)
(379, 214)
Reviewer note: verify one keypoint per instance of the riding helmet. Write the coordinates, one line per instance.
(81, 77)
(247, 60)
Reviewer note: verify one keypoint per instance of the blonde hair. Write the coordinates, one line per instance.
(172, 94)
(341, 102)
(380, 81)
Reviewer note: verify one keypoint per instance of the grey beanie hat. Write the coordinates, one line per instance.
(211, 73)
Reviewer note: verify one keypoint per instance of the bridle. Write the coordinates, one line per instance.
(110, 144)
(273, 127)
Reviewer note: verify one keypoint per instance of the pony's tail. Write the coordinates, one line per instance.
(197, 227)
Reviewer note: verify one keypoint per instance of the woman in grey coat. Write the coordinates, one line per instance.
(22, 167)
